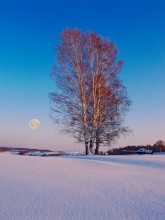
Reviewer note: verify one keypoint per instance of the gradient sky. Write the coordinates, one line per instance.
(29, 30)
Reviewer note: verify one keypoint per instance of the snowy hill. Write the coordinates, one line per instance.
(82, 187)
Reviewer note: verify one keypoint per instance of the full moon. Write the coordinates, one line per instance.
(34, 124)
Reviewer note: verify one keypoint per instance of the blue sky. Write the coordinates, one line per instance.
(29, 31)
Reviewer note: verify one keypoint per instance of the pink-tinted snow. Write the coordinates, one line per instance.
(82, 187)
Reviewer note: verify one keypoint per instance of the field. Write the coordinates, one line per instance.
(78, 187)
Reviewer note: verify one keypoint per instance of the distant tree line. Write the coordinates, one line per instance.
(159, 146)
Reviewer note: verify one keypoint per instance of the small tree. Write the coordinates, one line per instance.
(159, 146)
(90, 100)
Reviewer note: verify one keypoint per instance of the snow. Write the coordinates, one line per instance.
(82, 187)
(142, 150)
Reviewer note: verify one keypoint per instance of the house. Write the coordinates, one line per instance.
(144, 151)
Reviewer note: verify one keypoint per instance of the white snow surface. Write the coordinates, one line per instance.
(128, 187)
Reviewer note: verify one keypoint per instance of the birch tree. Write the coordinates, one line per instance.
(70, 100)
(108, 100)
(90, 100)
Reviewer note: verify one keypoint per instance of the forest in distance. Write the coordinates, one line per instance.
(159, 146)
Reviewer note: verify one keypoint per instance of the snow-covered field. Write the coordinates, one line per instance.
(82, 187)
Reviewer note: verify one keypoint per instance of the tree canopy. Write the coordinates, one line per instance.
(90, 100)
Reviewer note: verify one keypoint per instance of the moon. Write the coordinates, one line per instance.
(34, 124)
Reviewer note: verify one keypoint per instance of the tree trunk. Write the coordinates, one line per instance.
(91, 146)
(97, 145)
(86, 148)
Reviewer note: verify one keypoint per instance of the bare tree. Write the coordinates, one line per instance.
(159, 146)
(108, 99)
(70, 99)
(90, 100)
(111, 110)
